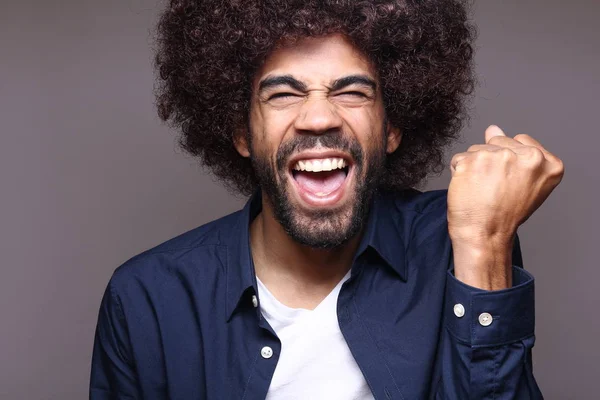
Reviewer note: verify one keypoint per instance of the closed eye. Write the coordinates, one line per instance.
(353, 93)
(282, 95)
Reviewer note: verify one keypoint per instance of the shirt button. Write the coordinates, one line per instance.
(266, 352)
(254, 301)
(459, 310)
(485, 319)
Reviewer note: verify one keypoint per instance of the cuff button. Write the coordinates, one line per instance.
(485, 319)
(459, 310)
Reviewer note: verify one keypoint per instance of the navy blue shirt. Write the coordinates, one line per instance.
(180, 321)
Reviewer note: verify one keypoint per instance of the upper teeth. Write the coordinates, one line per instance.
(320, 164)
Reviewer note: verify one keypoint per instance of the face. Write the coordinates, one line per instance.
(318, 138)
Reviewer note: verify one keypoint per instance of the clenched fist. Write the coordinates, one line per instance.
(495, 187)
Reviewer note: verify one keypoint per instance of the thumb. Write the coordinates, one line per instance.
(491, 131)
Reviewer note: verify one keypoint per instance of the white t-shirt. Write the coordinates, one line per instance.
(315, 361)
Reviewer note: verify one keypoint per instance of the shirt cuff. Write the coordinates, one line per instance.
(482, 318)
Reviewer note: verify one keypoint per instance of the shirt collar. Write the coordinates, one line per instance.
(382, 234)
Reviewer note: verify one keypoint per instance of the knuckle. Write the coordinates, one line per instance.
(459, 161)
(559, 168)
(482, 156)
(460, 167)
(522, 136)
(536, 156)
(495, 139)
(507, 154)
(457, 158)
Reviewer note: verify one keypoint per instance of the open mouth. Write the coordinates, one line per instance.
(321, 181)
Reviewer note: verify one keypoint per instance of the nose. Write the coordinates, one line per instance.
(317, 116)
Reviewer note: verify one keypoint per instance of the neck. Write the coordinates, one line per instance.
(298, 275)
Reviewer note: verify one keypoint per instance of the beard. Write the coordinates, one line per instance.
(322, 229)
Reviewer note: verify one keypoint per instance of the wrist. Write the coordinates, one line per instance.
(481, 238)
(483, 264)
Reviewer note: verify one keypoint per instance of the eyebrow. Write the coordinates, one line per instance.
(340, 83)
(281, 80)
(363, 80)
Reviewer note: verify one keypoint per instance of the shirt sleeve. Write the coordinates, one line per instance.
(488, 336)
(112, 375)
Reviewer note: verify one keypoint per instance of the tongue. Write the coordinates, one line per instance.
(321, 183)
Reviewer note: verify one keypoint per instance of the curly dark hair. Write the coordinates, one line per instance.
(209, 50)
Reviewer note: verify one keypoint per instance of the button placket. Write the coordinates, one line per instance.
(266, 352)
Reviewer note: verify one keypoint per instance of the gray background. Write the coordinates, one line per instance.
(90, 177)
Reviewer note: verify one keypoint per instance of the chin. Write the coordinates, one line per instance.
(323, 228)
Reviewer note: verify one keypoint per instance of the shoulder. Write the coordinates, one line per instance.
(201, 250)
(418, 216)
(411, 207)
(419, 202)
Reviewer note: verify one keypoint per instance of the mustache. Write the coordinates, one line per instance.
(331, 141)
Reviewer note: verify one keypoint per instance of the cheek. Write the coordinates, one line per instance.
(272, 128)
(278, 125)
(366, 126)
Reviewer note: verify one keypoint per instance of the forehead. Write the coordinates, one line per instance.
(317, 60)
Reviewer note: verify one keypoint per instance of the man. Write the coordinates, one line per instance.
(337, 280)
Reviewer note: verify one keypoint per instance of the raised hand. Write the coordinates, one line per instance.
(495, 187)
